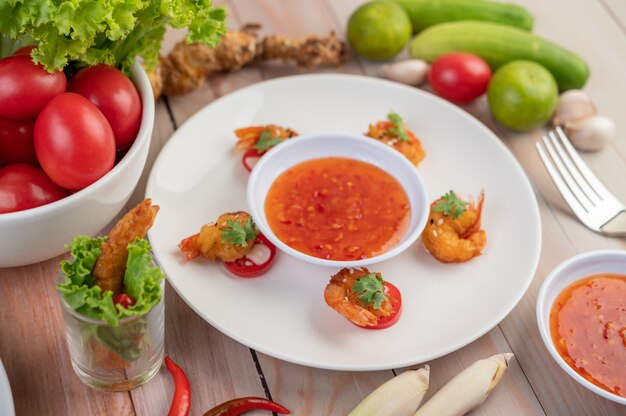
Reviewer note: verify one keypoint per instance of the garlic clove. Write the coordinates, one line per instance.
(590, 134)
(573, 105)
(410, 72)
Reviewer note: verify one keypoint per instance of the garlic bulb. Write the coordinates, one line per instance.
(410, 72)
(573, 105)
(590, 134)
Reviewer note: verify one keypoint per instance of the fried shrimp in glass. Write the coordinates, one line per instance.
(262, 138)
(394, 133)
(230, 238)
(452, 233)
(111, 264)
(359, 295)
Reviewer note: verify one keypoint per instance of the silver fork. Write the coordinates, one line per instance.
(596, 207)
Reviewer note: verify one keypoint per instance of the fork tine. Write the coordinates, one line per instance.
(589, 193)
(565, 175)
(560, 185)
(586, 173)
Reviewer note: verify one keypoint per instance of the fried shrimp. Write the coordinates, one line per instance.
(230, 238)
(252, 137)
(452, 233)
(394, 133)
(344, 295)
(111, 264)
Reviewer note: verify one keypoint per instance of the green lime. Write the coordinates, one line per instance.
(379, 30)
(522, 95)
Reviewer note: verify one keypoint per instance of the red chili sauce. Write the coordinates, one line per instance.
(588, 328)
(338, 209)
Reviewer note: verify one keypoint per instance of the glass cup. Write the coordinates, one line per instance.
(115, 358)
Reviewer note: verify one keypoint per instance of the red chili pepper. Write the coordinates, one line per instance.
(243, 404)
(244, 267)
(250, 158)
(182, 390)
(124, 300)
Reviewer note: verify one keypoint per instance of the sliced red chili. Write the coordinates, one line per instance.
(244, 267)
(393, 293)
(181, 402)
(243, 404)
(123, 300)
(250, 158)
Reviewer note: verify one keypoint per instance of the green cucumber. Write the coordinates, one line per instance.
(426, 13)
(499, 44)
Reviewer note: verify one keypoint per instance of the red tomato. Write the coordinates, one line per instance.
(244, 267)
(73, 141)
(459, 77)
(123, 300)
(113, 93)
(25, 88)
(25, 50)
(396, 300)
(16, 142)
(24, 186)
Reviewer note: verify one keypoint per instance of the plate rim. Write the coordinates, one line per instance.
(526, 183)
(5, 387)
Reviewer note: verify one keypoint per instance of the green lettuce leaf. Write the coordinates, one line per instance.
(112, 32)
(141, 279)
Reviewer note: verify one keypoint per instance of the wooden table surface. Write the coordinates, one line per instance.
(32, 340)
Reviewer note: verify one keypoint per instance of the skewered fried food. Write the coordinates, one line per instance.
(452, 233)
(229, 238)
(186, 67)
(394, 133)
(111, 264)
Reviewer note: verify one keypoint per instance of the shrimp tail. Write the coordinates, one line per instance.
(189, 245)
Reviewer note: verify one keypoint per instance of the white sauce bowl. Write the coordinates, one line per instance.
(566, 273)
(302, 148)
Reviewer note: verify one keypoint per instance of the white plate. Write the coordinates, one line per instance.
(199, 175)
(6, 397)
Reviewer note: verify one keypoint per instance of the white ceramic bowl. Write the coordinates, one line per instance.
(41, 233)
(571, 270)
(295, 151)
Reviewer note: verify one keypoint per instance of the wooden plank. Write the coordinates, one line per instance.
(513, 396)
(518, 389)
(211, 360)
(34, 351)
(303, 390)
(218, 368)
(562, 235)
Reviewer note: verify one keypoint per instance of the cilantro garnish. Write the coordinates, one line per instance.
(399, 130)
(450, 204)
(266, 141)
(238, 234)
(371, 290)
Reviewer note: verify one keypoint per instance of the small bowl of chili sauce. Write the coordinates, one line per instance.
(581, 313)
(338, 200)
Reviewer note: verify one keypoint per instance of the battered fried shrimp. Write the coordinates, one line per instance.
(453, 233)
(229, 238)
(394, 133)
(342, 297)
(251, 137)
(111, 265)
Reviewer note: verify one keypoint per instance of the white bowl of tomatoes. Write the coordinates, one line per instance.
(81, 165)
